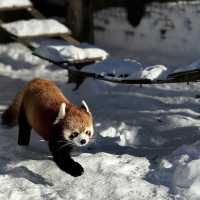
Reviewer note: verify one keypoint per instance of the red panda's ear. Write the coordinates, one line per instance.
(61, 113)
(84, 106)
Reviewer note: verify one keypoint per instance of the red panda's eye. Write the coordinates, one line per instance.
(75, 134)
(88, 133)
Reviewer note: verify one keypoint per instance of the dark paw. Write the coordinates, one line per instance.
(61, 155)
(75, 169)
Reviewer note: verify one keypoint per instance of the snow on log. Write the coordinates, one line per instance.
(70, 53)
(153, 72)
(188, 73)
(117, 68)
(127, 69)
(13, 4)
(36, 27)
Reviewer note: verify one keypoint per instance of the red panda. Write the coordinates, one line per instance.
(43, 107)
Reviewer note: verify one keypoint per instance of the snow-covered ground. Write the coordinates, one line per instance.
(147, 139)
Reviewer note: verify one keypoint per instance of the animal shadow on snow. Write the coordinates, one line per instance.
(11, 156)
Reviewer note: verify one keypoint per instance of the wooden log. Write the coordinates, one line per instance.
(79, 18)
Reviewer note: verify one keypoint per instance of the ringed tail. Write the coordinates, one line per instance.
(10, 115)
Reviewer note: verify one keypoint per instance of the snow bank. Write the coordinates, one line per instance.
(14, 3)
(35, 27)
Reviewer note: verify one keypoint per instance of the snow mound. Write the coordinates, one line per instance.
(35, 27)
(14, 3)
(61, 53)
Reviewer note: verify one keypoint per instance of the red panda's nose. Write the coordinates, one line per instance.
(83, 141)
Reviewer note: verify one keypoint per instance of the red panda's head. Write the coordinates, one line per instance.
(77, 123)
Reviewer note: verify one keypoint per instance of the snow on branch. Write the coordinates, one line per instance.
(137, 78)
(69, 53)
(35, 28)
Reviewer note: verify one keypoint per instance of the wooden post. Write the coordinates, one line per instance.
(79, 18)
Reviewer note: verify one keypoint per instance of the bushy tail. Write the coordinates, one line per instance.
(10, 115)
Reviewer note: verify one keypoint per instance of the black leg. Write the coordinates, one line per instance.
(61, 150)
(24, 130)
(67, 164)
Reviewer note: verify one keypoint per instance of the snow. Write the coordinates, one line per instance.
(25, 74)
(114, 67)
(184, 171)
(147, 138)
(193, 66)
(61, 53)
(152, 72)
(14, 3)
(35, 27)
(177, 46)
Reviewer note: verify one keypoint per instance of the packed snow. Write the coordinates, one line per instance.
(146, 144)
(14, 3)
(35, 27)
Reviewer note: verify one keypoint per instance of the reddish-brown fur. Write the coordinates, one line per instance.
(40, 101)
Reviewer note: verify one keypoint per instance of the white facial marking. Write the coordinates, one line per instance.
(91, 129)
(67, 133)
(61, 113)
(81, 140)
